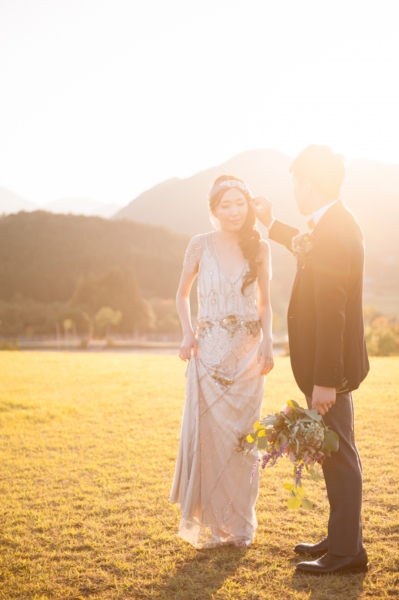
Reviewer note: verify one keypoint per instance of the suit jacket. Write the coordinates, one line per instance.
(325, 314)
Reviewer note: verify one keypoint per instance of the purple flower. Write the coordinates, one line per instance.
(273, 454)
(279, 453)
(267, 457)
(299, 470)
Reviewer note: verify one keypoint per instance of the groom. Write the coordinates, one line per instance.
(326, 339)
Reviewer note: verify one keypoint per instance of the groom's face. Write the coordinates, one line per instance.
(302, 195)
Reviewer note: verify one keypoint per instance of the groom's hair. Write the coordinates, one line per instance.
(325, 169)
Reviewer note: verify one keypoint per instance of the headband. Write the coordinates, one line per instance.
(230, 183)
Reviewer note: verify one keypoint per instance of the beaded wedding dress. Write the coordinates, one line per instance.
(224, 393)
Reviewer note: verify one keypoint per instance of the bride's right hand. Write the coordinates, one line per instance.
(189, 343)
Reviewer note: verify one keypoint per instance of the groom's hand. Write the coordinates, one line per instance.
(323, 398)
(263, 209)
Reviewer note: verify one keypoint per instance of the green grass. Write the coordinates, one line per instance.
(87, 451)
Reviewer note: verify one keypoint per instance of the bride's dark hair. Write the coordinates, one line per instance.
(249, 235)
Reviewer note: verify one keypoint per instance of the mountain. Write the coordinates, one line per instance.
(12, 203)
(371, 191)
(371, 188)
(82, 206)
(180, 204)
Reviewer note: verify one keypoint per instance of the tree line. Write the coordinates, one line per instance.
(59, 267)
(95, 276)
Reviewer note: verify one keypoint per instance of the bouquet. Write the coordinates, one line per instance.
(299, 434)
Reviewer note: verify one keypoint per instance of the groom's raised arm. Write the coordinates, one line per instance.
(282, 233)
(278, 231)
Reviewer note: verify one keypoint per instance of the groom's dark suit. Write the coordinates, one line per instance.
(327, 348)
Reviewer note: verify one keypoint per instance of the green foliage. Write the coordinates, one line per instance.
(10, 346)
(167, 319)
(381, 333)
(28, 317)
(118, 290)
(43, 255)
(67, 324)
(306, 504)
(331, 441)
(294, 503)
(57, 268)
(277, 322)
(106, 317)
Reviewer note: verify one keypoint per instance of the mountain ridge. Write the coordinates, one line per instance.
(371, 191)
(12, 203)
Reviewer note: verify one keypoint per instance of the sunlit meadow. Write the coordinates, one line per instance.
(88, 444)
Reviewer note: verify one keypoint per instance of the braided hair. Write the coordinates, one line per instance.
(249, 234)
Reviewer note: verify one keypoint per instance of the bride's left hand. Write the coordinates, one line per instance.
(265, 356)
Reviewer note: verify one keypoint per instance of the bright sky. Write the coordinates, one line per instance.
(105, 98)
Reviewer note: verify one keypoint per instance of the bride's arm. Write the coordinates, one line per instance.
(265, 352)
(183, 309)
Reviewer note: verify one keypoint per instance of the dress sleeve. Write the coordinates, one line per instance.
(193, 254)
(264, 259)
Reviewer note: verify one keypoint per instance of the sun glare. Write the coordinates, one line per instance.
(106, 99)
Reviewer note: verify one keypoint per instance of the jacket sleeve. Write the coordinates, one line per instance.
(283, 234)
(330, 276)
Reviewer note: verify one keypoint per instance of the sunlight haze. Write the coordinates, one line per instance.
(105, 99)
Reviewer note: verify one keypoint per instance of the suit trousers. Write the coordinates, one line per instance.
(343, 476)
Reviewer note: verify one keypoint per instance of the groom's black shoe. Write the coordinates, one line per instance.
(331, 563)
(313, 549)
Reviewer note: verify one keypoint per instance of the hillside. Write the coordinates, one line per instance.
(86, 271)
(42, 256)
(82, 206)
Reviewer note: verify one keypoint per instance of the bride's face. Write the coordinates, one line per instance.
(231, 211)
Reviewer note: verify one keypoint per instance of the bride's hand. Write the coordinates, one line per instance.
(265, 356)
(189, 342)
(263, 209)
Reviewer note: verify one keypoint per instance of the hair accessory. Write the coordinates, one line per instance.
(230, 183)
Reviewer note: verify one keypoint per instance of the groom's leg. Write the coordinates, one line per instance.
(343, 476)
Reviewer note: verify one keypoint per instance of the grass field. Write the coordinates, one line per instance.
(88, 444)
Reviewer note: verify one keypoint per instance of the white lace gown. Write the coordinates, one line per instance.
(224, 392)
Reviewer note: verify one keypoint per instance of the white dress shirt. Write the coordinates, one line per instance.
(316, 216)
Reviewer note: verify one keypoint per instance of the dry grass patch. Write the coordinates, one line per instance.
(88, 444)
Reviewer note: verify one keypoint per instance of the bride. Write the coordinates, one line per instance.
(228, 356)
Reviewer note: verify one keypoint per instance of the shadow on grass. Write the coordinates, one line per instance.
(203, 575)
(331, 587)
